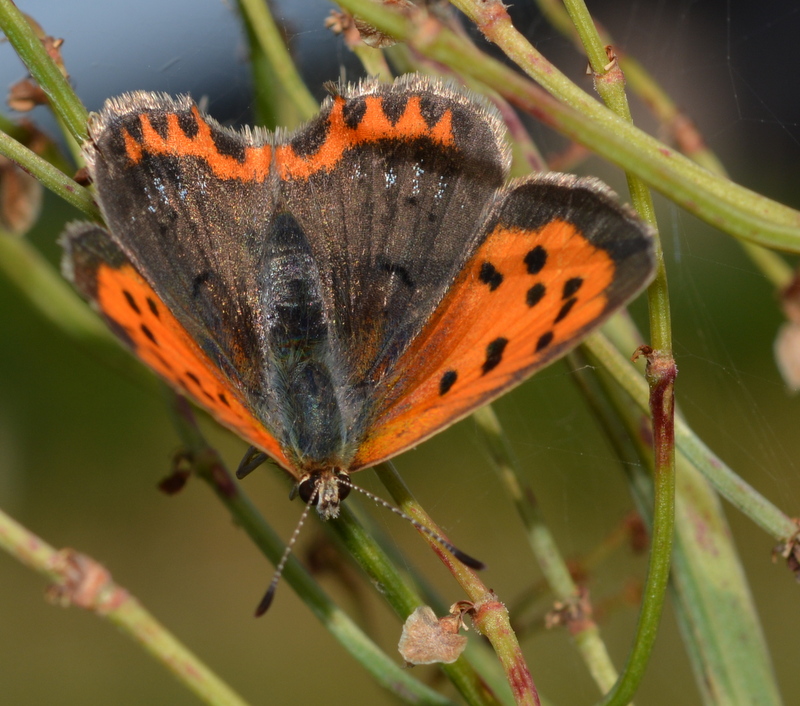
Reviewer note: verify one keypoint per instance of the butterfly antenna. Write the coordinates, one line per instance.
(463, 557)
(266, 601)
(251, 460)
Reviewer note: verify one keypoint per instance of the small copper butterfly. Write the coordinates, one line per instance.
(339, 294)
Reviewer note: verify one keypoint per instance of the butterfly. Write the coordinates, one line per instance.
(339, 294)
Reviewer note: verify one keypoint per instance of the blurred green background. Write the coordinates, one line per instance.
(82, 446)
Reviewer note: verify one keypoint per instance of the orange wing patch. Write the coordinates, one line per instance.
(525, 298)
(160, 341)
(188, 134)
(339, 132)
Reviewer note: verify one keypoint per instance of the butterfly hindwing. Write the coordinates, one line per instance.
(558, 257)
(136, 314)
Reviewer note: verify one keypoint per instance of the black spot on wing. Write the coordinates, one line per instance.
(153, 307)
(571, 287)
(353, 112)
(199, 280)
(534, 294)
(394, 106)
(308, 141)
(535, 260)
(131, 301)
(228, 145)
(401, 271)
(565, 309)
(545, 340)
(133, 124)
(188, 124)
(163, 361)
(432, 109)
(148, 334)
(494, 354)
(447, 381)
(158, 121)
(490, 276)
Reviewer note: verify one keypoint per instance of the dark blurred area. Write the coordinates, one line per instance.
(82, 447)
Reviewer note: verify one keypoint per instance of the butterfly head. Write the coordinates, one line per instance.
(326, 489)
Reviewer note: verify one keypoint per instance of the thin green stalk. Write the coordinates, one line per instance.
(661, 376)
(373, 61)
(711, 598)
(49, 176)
(610, 83)
(585, 632)
(27, 135)
(42, 67)
(279, 67)
(577, 115)
(39, 282)
(79, 580)
(684, 132)
(210, 468)
(725, 481)
(490, 615)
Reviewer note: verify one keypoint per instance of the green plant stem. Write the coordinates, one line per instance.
(209, 467)
(661, 377)
(49, 176)
(403, 599)
(373, 61)
(46, 72)
(46, 291)
(490, 615)
(740, 494)
(711, 598)
(610, 84)
(684, 132)
(79, 580)
(584, 630)
(577, 115)
(262, 28)
(28, 134)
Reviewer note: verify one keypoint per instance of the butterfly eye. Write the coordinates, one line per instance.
(313, 485)
(307, 488)
(343, 481)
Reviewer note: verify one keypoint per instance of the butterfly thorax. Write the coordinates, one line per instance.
(302, 368)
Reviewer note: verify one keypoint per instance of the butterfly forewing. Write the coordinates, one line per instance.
(391, 184)
(186, 200)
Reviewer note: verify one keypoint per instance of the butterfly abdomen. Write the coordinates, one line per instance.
(299, 347)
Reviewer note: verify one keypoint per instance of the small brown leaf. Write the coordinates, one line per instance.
(787, 342)
(427, 639)
(787, 355)
(21, 194)
(25, 95)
